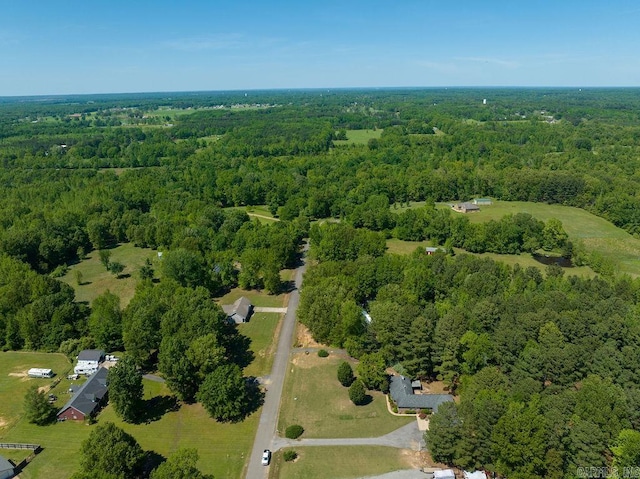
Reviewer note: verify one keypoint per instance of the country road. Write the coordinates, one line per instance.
(269, 416)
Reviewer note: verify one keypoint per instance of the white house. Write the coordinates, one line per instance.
(88, 361)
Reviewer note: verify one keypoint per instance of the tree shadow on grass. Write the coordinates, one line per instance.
(151, 461)
(153, 409)
(368, 398)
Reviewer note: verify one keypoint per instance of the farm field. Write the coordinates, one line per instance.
(96, 279)
(339, 462)
(314, 399)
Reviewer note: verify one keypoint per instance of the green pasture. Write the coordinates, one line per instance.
(314, 399)
(261, 329)
(359, 137)
(338, 462)
(96, 279)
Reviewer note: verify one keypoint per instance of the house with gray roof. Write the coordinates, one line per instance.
(240, 311)
(6, 468)
(88, 398)
(402, 392)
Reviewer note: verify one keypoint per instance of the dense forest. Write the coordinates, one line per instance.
(545, 365)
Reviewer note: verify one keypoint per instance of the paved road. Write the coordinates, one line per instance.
(265, 309)
(269, 417)
(406, 437)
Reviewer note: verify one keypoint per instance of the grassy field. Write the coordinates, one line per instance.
(96, 279)
(260, 212)
(261, 329)
(339, 462)
(14, 381)
(314, 399)
(359, 137)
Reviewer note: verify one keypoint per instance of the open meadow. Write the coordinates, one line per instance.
(314, 399)
(96, 279)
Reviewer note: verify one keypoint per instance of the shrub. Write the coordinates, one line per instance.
(422, 415)
(323, 353)
(290, 455)
(345, 374)
(357, 393)
(293, 432)
(410, 411)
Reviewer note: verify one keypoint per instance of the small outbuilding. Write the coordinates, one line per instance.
(6, 468)
(240, 311)
(87, 399)
(40, 373)
(482, 201)
(431, 250)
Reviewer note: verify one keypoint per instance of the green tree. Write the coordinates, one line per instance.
(37, 408)
(146, 270)
(110, 452)
(358, 392)
(180, 465)
(371, 371)
(444, 433)
(553, 235)
(626, 449)
(186, 267)
(105, 258)
(78, 276)
(116, 268)
(105, 322)
(345, 374)
(125, 389)
(225, 394)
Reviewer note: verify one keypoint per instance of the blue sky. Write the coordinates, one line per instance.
(69, 46)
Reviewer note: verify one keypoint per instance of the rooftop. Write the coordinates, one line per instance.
(402, 393)
(89, 394)
(91, 355)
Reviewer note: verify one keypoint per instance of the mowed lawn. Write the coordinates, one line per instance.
(314, 399)
(96, 279)
(261, 330)
(339, 462)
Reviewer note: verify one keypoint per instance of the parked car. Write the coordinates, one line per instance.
(266, 457)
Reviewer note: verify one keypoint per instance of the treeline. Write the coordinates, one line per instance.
(545, 365)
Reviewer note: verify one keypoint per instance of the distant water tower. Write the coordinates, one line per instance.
(484, 102)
